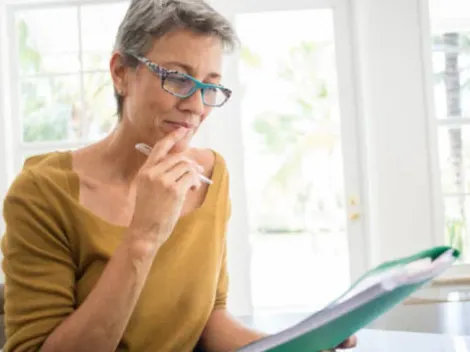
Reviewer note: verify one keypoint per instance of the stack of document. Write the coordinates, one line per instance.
(371, 296)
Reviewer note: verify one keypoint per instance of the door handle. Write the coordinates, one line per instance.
(354, 216)
(353, 202)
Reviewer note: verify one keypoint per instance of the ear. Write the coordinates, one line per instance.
(119, 73)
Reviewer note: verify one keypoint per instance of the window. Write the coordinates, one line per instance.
(59, 72)
(451, 67)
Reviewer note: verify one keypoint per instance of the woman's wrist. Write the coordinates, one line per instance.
(141, 247)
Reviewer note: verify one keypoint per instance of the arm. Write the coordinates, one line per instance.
(40, 278)
(39, 262)
(103, 316)
(224, 334)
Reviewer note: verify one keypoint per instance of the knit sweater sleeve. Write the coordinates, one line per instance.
(38, 265)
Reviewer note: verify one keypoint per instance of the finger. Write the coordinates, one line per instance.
(189, 181)
(197, 185)
(197, 182)
(171, 161)
(349, 343)
(178, 171)
(164, 146)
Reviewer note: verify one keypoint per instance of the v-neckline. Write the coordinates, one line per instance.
(206, 206)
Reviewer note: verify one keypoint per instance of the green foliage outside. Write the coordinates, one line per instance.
(52, 107)
(293, 137)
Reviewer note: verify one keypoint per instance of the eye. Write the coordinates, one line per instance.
(178, 78)
(178, 84)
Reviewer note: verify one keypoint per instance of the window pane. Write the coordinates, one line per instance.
(450, 26)
(454, 156)
(100, 106)
(53, 109)
(294, 160)
(47, 40)
(50, 108)
(451, 60)
(450, 29)
(98, 40)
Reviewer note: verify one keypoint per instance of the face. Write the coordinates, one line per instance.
(150, 111)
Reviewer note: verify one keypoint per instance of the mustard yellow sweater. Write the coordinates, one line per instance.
(55, 251)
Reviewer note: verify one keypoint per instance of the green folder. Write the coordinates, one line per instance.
(368, 298)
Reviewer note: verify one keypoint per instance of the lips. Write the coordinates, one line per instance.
(180, 124)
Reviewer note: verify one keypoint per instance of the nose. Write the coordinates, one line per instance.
(193, 103)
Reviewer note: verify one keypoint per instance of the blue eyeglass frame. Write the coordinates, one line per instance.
(163, 73)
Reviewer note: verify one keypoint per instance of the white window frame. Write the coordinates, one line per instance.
(459, 272)
(19, 147)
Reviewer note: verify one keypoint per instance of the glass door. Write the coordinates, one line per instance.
(301, 162)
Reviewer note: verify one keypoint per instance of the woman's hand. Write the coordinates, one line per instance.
(162, 184)
(349, 343)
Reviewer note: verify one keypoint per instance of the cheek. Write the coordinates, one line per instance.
(157, 100)
(151, 99)
(163, 101)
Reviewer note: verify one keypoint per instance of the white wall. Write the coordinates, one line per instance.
(396, 114)
(3, 142)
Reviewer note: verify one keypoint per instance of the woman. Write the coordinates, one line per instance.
(110, 249)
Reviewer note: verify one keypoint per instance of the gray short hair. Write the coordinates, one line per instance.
(146, 20)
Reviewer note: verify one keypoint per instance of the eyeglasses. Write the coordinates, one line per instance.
(182, 85)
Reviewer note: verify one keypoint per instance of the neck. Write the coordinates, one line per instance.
(120, 155)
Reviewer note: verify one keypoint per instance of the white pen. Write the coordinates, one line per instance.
(145, 149)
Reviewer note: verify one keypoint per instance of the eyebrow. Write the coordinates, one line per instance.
(189, 69)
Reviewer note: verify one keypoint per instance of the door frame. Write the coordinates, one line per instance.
(353, 148)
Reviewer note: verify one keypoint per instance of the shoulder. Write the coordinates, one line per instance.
(36, 200)
(47, 164)
(209, 159)
(41, 175)
(24, 204)
(216, 167)
(26, 180)
(24, 185)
